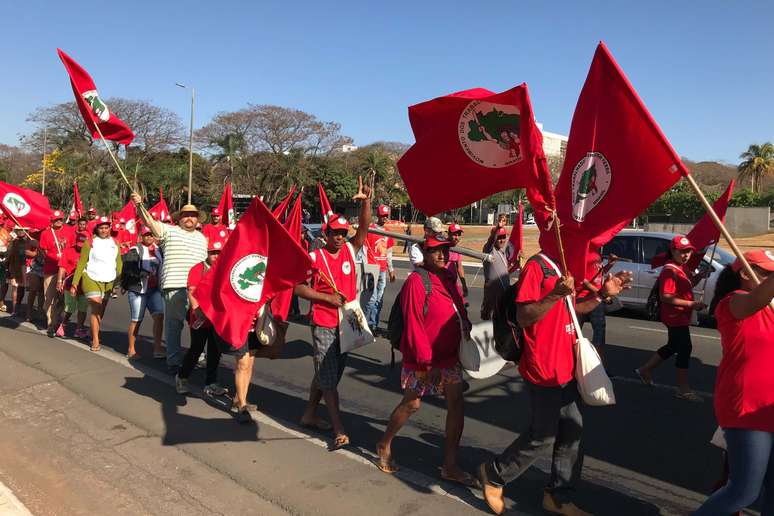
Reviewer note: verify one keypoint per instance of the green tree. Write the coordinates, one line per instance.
(758, 162)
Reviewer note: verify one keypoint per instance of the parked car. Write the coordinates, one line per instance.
(638, 249)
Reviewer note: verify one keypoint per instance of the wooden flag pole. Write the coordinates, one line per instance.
(190, 148)
(723, 231)
(16, 221)
(113, 156)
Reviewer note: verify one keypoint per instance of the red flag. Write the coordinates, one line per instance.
(618, 162)
(129, 214)
(260, 260)
(704, 233)
(29, 208)
(516, 241)
(280, 305)
(282, 207)
(77, 204)
(93, 109)
(325, 206)
(160, 209)
(470, 145)
(226, 206)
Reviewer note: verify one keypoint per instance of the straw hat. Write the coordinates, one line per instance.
(188, 208)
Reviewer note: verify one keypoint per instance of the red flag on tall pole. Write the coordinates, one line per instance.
(260, 260)
(160, 209)
(226, 206)
(280, 305)
(282, 207)
(470, 145)
(325, 206)
(516, 241)
(26, 208)
(93, 109)
(618, 162)
(77, 204)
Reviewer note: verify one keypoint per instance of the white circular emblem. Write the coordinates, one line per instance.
(684, 241)
(131, 227)
(769, 254)
(342, 220)
(222, 234)
(98, 108)
(216, 245)
(16, 204)
(247, 277)
(490, 134)
(346, 267)
(590, 182)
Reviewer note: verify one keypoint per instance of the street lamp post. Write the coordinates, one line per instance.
(190, 141)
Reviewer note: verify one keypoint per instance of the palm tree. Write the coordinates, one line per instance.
(758, 162)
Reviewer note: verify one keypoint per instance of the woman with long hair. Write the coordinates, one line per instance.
(98, 267)
(675, 286)
(744, 389)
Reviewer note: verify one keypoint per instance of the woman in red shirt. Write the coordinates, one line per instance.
(744, 389)
(676, 294)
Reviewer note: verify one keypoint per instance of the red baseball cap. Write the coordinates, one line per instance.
(73, 214)
(383, 210)
(337, 221)
(92, 210)
(102, 221)
(502, 232)
(435, 241)
(681, 242)
(122, 220)
(116, 227)
(455, 228)
(216, 211)
(215, 245)
(143, 229)
(56, 215)
(762, 258)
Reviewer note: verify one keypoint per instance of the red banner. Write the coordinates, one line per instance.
(226, 207)
(25, 207)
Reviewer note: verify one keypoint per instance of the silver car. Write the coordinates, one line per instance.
(638, 249)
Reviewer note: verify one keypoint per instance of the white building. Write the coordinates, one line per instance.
(348, 148)
(553, 144)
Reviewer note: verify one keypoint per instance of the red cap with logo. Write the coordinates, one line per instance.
(73, 215)
(455, 228)
(216, 211)
(215, 245)
(103, 221)
(383, 210)
(336, 221)
(762, 258)
(93, 210)
(56, 215)
(435, 241)
(501, 232)
(681, 242)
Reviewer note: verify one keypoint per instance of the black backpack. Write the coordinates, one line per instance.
(395, 321)
(508, 334)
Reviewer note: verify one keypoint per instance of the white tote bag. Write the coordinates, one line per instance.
(353, 328)
(594, 385)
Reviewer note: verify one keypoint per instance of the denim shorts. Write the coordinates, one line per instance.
(139, 302)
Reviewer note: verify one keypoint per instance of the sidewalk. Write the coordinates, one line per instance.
(10, 505)
(85, 433)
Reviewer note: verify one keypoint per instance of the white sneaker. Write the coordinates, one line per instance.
(214, 389)
(181, 385)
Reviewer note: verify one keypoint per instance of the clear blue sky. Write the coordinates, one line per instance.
(705, 69)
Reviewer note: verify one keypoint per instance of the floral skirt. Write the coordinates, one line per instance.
(416, 381)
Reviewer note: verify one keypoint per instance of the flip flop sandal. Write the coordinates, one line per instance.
(135, 356)
(386, 466)
(340, 442)
(248, 406)
(96, 349)
(467, 479)
(320, 425)
(649, 383)
(689, 396)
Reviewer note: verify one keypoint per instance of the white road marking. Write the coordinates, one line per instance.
(659, 330)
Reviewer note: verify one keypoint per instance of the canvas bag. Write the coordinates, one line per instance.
(594, 385)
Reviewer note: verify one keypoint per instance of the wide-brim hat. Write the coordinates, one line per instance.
(189, 208)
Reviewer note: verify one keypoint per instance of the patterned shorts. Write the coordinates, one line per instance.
(415, 381)
(329, 362)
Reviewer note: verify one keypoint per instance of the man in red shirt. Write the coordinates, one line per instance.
(547, 365)
(92, 220)
(334, 284)
(215, 230)
(432, 329)
(53, 242)
(67, 264)
(379, 251)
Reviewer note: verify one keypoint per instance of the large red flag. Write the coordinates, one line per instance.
(325, 205)
(470, 145)
(704, 233)
(280, 305)
(226, 206)
(29, 208)
(516, 241)
(282, 207)
(618, 162)
(93, 109)
(260, 260)
(129, 214)
(160, 209)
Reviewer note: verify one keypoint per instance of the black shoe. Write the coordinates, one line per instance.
(50, 334)
(243, 416)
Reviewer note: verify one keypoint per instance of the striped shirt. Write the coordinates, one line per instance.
(182, 250)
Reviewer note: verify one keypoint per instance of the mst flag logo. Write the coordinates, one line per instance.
(247, 277)
(98, 107)
(489, 134)
(590, 182)
(16, 204)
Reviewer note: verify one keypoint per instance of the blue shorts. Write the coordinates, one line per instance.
(139, 302)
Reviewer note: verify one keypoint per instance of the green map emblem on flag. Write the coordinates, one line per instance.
(489, 134)
(16, 204)
(590, 182)
(98, 108)
(247, 277)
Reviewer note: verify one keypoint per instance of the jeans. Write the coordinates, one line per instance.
(175, 311)
(598, 323)
(374, 306)
(751, 465)
(138, 303)
(556, 426)
(200, 338)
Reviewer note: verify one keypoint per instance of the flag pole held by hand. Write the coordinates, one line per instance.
(113, 156)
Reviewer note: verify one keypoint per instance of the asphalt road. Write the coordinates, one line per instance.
(648, 454)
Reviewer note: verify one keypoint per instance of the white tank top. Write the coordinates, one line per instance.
(102, 260)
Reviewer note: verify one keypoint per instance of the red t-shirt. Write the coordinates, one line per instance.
(341, 270)
(68, 262)
(90, 225)
(195, 275)
(673, 280)
(548, 357)
(431, 340)
(53, 247)
(744, 388)
(376, 248)
(215, 231)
